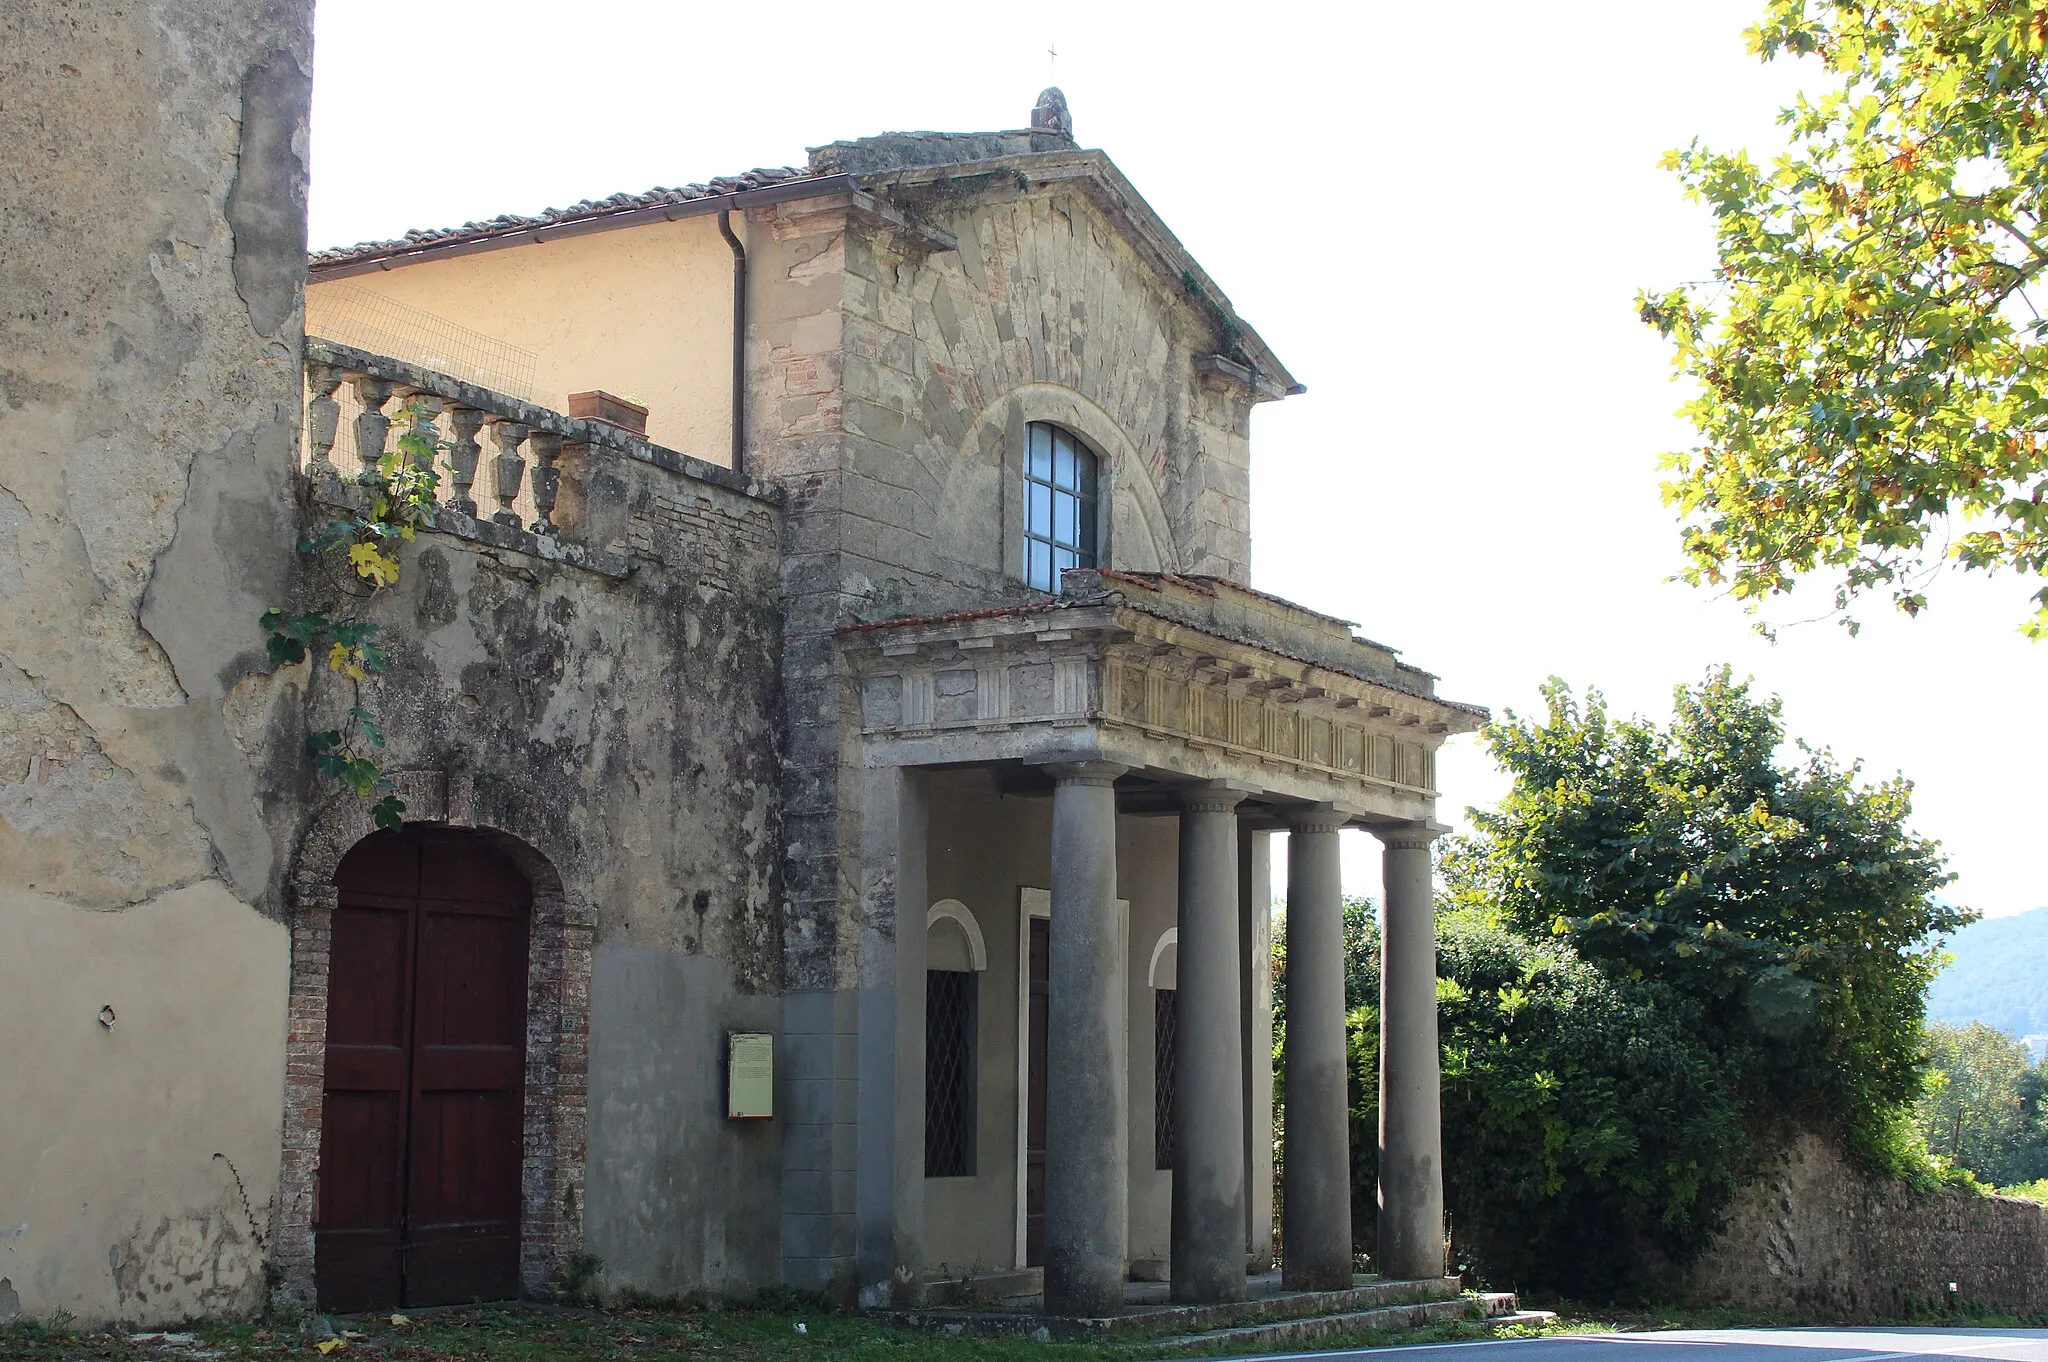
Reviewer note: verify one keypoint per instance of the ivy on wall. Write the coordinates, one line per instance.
(396, 498)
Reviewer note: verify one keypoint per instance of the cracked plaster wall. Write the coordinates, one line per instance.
(151, 229)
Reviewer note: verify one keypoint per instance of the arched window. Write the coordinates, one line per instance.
(1059, 505)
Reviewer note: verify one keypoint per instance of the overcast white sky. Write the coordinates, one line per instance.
(1436, 215)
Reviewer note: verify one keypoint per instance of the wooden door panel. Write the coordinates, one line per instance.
(460, 1176)
(361, 1178)
(423, 1124)
(469, 1079)
(472, 980)
(368, 954)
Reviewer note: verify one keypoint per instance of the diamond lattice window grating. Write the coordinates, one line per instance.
(949, 1007)
(1164, 1013)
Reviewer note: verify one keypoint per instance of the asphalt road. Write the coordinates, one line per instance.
(1729, 1345)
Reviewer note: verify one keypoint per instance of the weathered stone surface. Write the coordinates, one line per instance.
(151, 215)
(1813, 1237)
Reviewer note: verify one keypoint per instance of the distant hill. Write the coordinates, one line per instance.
(2000, 975)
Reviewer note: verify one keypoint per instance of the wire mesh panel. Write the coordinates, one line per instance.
(347, 456)
(949, 998)
(1164, 1014)
(384, 326)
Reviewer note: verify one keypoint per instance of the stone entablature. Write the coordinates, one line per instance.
(1132, 671)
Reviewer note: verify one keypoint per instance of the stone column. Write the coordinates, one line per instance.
(889, 1143)
(1087, 1175)
(1316, 1225)
(1411, 1115)
(1255, 934)
(1208, 1064)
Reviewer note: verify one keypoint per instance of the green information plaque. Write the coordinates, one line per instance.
(749, 1076)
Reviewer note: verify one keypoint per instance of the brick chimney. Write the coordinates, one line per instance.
(598, 405)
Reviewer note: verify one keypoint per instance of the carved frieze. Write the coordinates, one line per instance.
(1158, 693)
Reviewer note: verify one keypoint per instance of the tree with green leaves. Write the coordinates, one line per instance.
(1788, 901)
(1981, 1110)
(1872, 371)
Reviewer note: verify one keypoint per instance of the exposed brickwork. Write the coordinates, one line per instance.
(703, 530)
(557, 1076)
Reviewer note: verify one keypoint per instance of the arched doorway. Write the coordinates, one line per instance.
(423, 1102)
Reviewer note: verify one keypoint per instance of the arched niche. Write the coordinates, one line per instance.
(1164, 971)
(953, 939)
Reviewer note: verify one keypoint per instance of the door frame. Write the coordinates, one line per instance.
(557, 1045)
(1035, 902)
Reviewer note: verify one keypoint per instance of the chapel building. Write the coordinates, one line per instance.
(840, 746)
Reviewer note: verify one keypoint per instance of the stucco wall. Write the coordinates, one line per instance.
(643, 312)
(138, 1158)
(152, 197)
(1813, 1237)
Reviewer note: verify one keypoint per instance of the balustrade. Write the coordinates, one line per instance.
(355, 399)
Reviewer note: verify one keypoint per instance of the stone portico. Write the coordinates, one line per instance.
(1215, 714)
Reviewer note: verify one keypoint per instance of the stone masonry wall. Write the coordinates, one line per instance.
(1814, 1238)
(613, 719)
(889, 384)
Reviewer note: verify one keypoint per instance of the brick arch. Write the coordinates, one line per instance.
(557, 1037)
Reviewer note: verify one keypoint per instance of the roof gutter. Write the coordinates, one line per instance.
(669, 212)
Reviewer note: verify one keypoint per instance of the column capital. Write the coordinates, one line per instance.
(1407, 836)
(1317, 818)
(1084, 772)
(1214, 796)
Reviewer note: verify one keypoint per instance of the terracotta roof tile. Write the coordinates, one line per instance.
(589, 209)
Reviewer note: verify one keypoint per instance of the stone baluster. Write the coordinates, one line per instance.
(463, 450)
(422, 409)
(373, 427)
(547, 478)
(507, 469)
(323, 419)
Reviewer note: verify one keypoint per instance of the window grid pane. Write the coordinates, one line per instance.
(949, 1073)
(1060, 506)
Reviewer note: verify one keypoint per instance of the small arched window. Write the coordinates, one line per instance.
(1060, 480)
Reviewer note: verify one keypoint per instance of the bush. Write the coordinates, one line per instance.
(1662, 951)
(1583, 1116)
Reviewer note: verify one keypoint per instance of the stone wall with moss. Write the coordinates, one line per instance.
(1815, 1238)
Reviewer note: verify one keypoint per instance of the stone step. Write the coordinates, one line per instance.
(982, 1288)
(1023, 1319)
(1495, 1308)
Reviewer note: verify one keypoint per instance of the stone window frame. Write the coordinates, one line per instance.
(557, 1047)
(1122, 476)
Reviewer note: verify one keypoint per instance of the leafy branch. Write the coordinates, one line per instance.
(398, 498)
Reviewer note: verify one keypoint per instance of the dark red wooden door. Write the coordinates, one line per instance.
(420, 1135)
(1040, 974)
